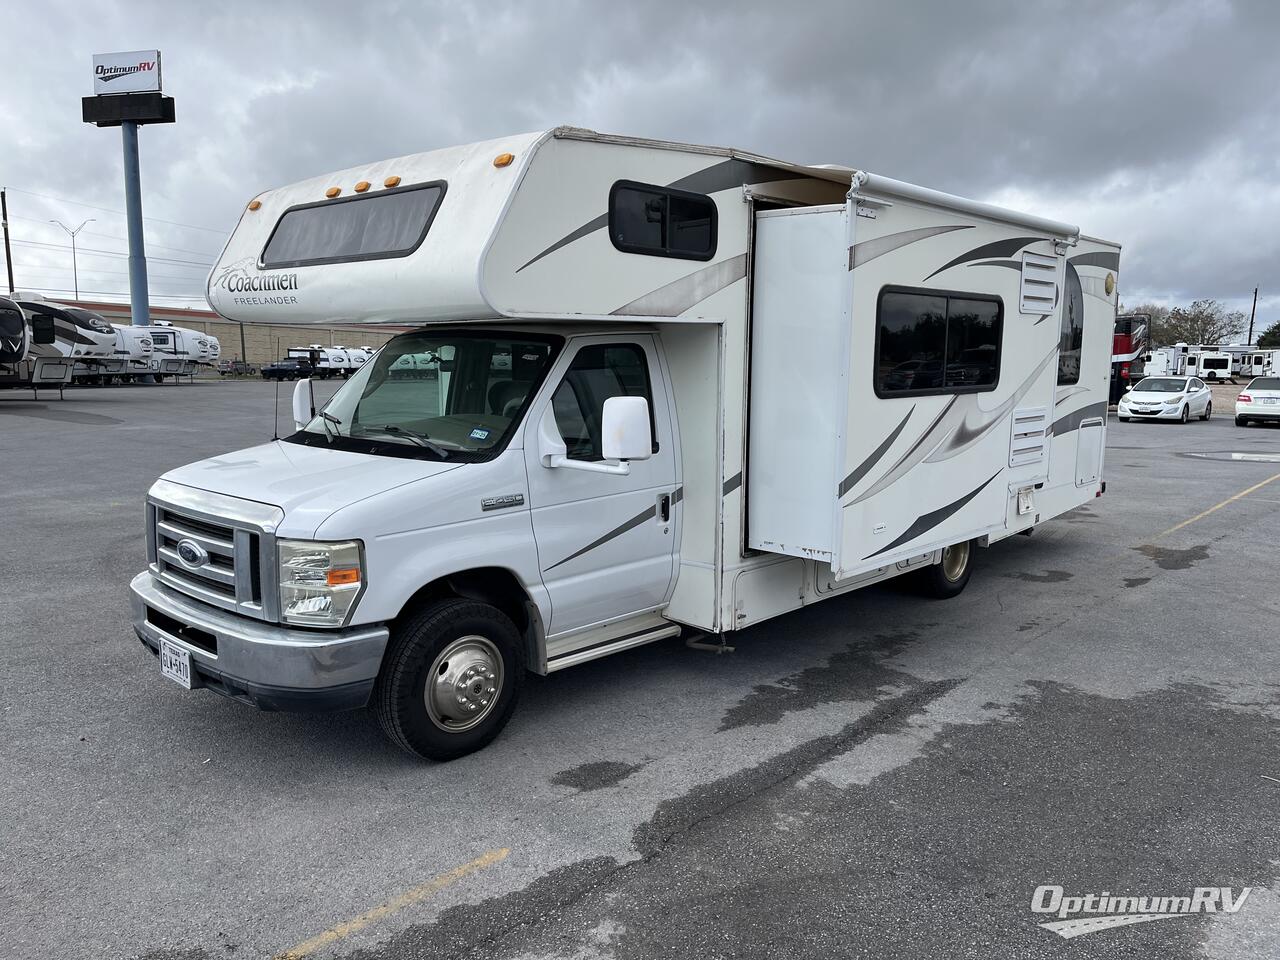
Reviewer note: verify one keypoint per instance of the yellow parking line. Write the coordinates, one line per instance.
(1219, 506)
(406, 899)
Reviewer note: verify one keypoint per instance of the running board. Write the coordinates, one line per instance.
(606, 647)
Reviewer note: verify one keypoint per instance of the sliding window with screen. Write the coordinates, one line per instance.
(662, 222)
(931, 341)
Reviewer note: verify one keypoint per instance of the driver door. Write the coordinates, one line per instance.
(606, 543)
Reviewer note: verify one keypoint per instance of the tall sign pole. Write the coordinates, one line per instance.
(126, 89)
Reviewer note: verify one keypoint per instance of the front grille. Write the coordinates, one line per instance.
(223, 555)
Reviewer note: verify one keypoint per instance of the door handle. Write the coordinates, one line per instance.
(664, 507)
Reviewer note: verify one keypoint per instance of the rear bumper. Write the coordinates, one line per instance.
(1255, 412)
(271, 667)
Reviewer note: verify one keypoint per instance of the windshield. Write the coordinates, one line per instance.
(1161, 385)
(446, 394)
(1264, 383)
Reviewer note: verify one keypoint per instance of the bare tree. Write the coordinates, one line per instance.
(1205, 321)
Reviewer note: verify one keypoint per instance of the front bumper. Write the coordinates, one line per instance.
(271, 667)
(1162, 412)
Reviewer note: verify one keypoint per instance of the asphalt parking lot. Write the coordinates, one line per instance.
(876, 776)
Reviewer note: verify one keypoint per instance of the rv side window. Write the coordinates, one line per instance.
(934, 342)
(661, 222)
(371, 226)
(596, 374)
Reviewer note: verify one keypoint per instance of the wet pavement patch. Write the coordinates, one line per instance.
(1169, 558)
(938, 858)
(41, 412)
(1049, 576)
(853, 674)
(596, 775)
(1136, 581)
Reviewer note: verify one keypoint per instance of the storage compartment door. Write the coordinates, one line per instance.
(799, 350)
(1089, 452)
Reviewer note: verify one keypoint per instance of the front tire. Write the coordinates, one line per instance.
(1186, 414)
(449, 680)
(948, 578)
(1208, 411)
(1242, 422)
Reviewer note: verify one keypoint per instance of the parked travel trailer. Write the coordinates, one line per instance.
(61, 338)
(134, 352)
(15, 335)
(1210, 365)
(1166, 361)
(325, 361)
(178, 350)
(706, 420)
(1260, 363)
(1131, 340)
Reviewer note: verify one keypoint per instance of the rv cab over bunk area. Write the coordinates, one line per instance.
(651, 387)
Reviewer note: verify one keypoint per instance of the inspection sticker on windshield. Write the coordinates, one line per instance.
(175, 663)
(478, 434)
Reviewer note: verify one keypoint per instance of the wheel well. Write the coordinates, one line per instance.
(493, 585)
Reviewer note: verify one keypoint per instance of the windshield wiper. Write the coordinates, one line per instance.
(421, 439)
(328, 418)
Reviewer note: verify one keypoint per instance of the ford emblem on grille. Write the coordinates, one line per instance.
(192, 554)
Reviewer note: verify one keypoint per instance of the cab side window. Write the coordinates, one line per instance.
(597, 373)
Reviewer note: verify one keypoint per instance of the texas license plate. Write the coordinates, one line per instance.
(175, 663)
(1270, 400)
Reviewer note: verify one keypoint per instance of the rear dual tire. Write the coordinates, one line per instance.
(947, 578)
(450, 679)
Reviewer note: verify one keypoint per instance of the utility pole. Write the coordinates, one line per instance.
(140, 308)
(1252, 314)
(4, 219)
(75, 272)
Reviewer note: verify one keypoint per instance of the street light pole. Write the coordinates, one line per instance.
(75, 272)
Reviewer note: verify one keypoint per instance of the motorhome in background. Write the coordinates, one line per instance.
(1165, 361)
(1210, 365)
(431, 537)
(1131, 340)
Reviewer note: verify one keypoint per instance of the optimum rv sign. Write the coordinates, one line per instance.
(137, 71)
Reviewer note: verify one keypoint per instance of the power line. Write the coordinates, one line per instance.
(120, 213)
(116, 236)
(49, 268)
(118, 293)
(112, 253)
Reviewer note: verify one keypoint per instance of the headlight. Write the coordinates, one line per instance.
(319, 581)
(1175, 400)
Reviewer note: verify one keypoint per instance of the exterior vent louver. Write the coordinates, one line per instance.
(1027, 443)
(1039, 290)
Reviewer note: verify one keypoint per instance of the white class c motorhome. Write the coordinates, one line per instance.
(652, 387)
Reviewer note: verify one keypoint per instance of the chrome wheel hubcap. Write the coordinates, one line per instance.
(463, 686)
(954, 560)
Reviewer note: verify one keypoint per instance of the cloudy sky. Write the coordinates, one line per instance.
(1154, 124)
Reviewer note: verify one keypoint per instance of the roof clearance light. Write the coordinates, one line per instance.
(255, 204)
(391, 182)
(332, 192)
(503, 159)
(362, 186)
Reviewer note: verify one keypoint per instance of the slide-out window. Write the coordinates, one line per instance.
(931, 341)
(368, 226)
(662, 222)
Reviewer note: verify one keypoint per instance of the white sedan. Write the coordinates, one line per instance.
(1166, 398)
(1259, 402)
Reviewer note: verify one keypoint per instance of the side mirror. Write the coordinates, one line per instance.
(304, 404)
(625, 433)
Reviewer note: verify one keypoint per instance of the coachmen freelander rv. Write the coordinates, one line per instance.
(914, 376)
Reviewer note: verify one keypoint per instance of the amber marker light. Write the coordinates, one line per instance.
(503, 159)
(344, 575)
(255, 204)
(332, 192)
(391, 182)
(362, 186)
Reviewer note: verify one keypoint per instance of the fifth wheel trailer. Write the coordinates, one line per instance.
(657, 388)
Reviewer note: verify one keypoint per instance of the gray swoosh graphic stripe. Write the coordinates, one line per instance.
(999, 248)
(1071, 421)
(930, 520)
(680, 295)
(868, 250)
(732, 484)
(617, 531)
(915, 454)
(712, 179)
(1011, 264)
(1108, 259)
(851, 481)
(966, 434)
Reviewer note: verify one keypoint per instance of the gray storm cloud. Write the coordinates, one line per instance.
(1154, 124)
